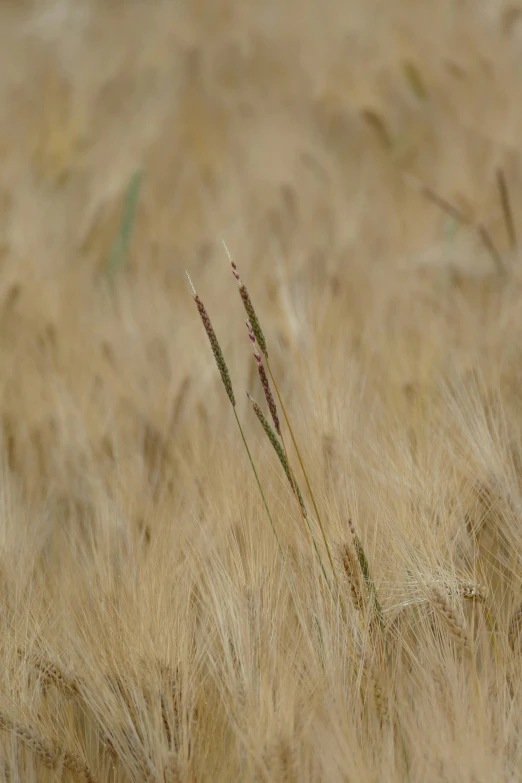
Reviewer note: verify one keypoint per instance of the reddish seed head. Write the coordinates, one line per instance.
(214, 344)
(251, 333)
(249, 307)
(264, 380)
(232, 263)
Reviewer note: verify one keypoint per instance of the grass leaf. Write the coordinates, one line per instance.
(122, 242)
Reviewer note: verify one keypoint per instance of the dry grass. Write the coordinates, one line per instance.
(152, 628)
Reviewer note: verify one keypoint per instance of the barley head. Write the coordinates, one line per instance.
(455, 623)
(352, 570)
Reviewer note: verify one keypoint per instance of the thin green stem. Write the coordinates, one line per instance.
(317, 514)
(314, 542)
(259, 485)
(272, 437)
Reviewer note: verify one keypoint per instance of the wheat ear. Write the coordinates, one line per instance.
(477, 593)
(472, 591)
(50, 754)
(366, 572)
(52, 673)
(455, 623)
(352, 571)
(374, 680)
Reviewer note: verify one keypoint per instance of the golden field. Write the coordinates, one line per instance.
(154, 629)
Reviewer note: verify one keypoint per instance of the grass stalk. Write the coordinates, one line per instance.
(227, 383)
(257, 335)
(272, 437)
(273, 412)
(505, 202)
(308, 485)
(121, 245)
(259, 485)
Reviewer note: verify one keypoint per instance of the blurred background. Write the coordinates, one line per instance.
(136, 136)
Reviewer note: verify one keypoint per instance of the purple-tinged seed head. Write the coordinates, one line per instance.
(249, 307)
(214, 344)
(269, 397)
(272, 437)
(251, 333)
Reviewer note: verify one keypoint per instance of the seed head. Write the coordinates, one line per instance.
(214, 344)
(249, 307)
(352, 571)
(272, 437)
(453, 619)
(269, 397)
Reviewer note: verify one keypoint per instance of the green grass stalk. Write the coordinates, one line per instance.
(121, 245)
(272, 437)
(259, 485)
(227, 383)
(308, 485)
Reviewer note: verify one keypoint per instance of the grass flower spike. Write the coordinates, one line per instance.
(214, 344)
(272, 437)
(264, 381)
(249, 308)
(227, 383)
